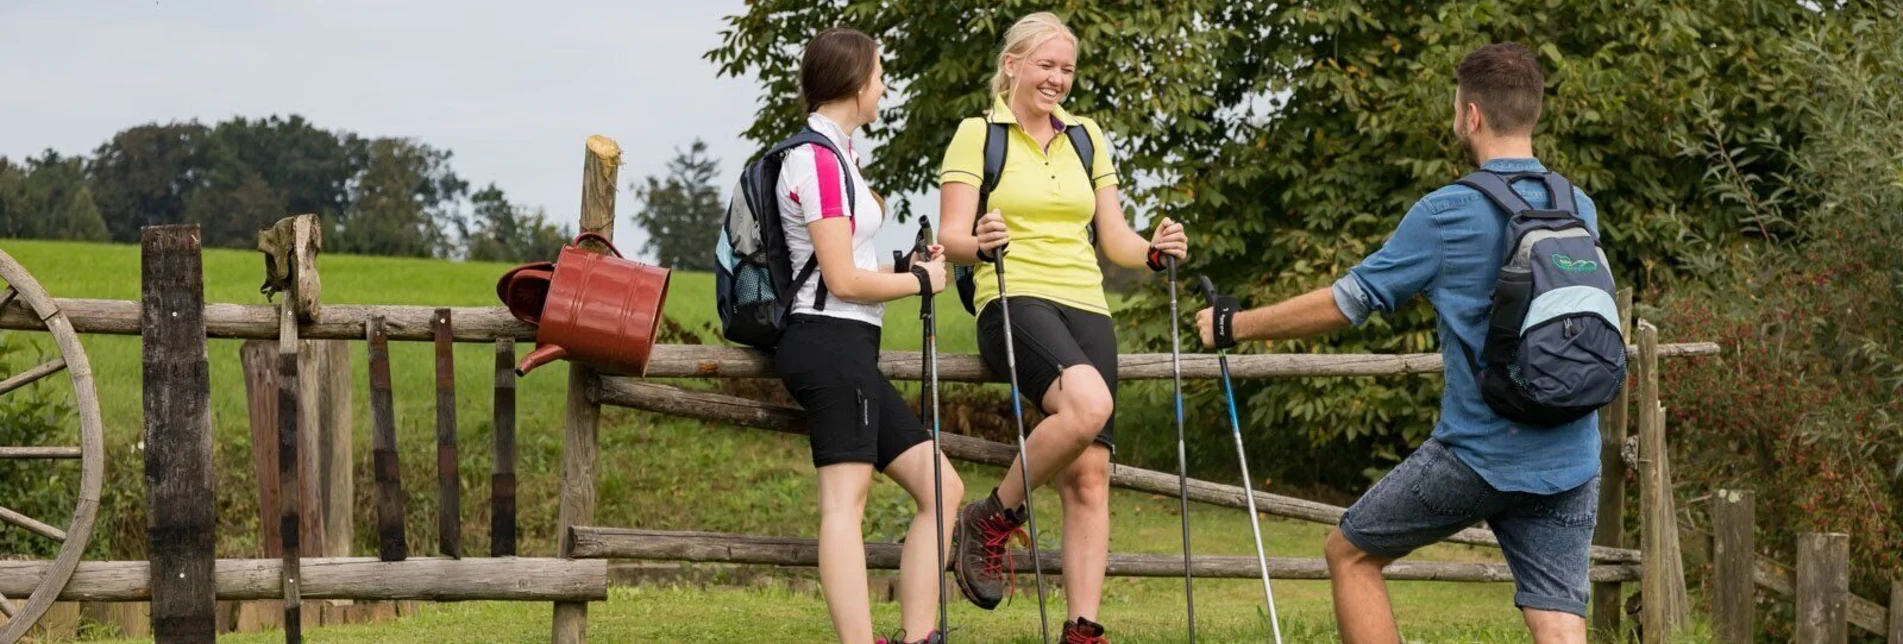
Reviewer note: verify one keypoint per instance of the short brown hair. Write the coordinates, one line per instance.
(1504, 80)
(838, 62)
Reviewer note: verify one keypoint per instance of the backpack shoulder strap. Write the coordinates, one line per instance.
(809, 136)
(1498, 191)
(997, 145)
(1086, 150)
(1562, 193)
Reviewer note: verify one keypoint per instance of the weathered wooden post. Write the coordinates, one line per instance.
(1823, 588)
(1610, 532)
(392, 545)
(180, 523)
(336, 465)
(259, 358)
(289, 495)
(1733, 609)
(601, 168)
(1896, 611)
(502, 480)
(449, 499)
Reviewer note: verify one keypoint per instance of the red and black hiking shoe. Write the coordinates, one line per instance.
(980, 561)
(934, 638)
(1084, 631)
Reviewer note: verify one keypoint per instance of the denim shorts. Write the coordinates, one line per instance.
(1432, 495)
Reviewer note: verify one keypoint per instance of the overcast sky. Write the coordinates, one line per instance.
(512, 88)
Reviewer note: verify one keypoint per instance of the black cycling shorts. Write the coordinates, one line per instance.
(853, 414)
(1051, 337)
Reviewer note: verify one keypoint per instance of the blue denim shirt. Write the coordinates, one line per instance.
(1450, 247)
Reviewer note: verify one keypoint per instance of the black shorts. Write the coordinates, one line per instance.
(1051, 337)
(853, 414)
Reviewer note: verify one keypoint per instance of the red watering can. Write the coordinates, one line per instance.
(600, 310)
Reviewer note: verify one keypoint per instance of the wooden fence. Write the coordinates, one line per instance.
(290, 448)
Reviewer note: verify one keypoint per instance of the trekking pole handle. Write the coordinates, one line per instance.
(1209, 289)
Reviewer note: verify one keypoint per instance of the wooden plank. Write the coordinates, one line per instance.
(1610, 529)
(31, 524)
(32, 375)
(313, 363)
(259, 360)
(1673, 554)
(1655, 612)
(289, 497)
(392, 544)
(21, 453)
(667, 399)
(357, 578)
(449, 500)
(600, 175)
(7, 609)
(712, 547)
(336, 485)
(59, 623)
(502, 480)
(1823, 588)
(409, 323)
(1733, 606)
(306, 287)
(181, 522)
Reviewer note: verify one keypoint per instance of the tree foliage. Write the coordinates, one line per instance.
(682, 212)
(506, 232)
(48, 198)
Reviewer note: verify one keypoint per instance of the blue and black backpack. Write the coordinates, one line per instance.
(1554, 350)
(754, 280)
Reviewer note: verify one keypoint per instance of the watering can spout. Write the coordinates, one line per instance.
(540, 356)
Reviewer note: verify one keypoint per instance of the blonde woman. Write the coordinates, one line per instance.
(1055, 187)
(829, 356)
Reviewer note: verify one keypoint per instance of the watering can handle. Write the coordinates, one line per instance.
(597, 237)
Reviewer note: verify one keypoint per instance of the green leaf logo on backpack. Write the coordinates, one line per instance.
(1571, 265)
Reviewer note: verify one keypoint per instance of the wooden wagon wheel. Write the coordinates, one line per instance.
(24, 291)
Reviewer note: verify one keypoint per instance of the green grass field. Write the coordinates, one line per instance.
(660, 473)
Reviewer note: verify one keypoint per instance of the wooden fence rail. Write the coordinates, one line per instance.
(622, 543)
(366, 578)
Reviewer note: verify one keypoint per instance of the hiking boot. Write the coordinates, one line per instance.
(980, 562)
(934, 638)
(1084, 631)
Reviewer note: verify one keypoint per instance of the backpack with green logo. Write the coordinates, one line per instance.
(1554, 349)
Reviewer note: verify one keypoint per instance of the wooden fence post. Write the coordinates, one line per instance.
(1823, 588)
(600, 176)
(180, 520)
(336, 464)
(289, 494)
(1734, 555)
(392, 545)
(449, 500)
(259, 358)
(1610, 531)
(312, 362)
(1896, 611)
(502, 480)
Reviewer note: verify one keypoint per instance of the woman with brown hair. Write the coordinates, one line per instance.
(828, 357)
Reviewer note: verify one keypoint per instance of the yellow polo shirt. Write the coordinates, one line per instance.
(1047, 203)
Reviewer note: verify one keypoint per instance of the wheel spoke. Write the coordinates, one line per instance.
(31, 375)
(32, 525)
(7, 453)
(7, 297)
(7, 606)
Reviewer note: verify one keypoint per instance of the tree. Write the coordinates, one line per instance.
(48, 199)
(143, 176)
(682, 212)
(506, 232)
(1291, 137)
(403, 203)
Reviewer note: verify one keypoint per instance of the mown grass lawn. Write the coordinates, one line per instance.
(662, 473)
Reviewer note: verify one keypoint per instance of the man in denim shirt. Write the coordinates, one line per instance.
(1537, 487)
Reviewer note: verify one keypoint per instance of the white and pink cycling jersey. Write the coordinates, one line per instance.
(812, 186)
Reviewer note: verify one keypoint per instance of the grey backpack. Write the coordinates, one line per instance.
(1554, 350)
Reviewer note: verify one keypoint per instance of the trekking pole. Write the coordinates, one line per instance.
(1182, 456)
(929, 322)
(1024, 459)
(1235, 425)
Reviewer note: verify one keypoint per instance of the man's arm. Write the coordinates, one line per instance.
(1309, 314)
